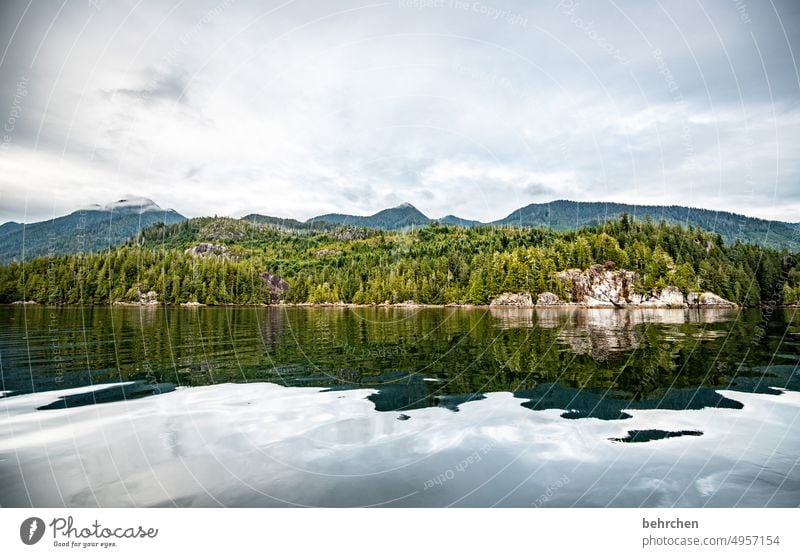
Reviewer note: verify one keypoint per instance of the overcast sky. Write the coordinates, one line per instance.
(298, 108)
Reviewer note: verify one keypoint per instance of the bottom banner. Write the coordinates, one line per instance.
(392, 532)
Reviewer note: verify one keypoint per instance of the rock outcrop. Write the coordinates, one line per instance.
(350, 233)
(707, 299)
(148, 298)
(667, 297)
(603, 286)
(509, 299)
(205, 249)
(549, 299)
(141, 298)
(598, 286)
(326, 252)
(276, 285)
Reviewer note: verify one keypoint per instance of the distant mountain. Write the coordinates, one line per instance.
(570, 215)
(402, 216)
(566, 215)
(91, 229)
(9, 227)
(458, 221)
(97, 227)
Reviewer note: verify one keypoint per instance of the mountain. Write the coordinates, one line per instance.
(9, 227)
(87, 230)
(101, 226)
(570, 215)
(565, 215)
(458, 221)
(402, 216)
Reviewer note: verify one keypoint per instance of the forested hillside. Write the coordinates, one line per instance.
(435, 264)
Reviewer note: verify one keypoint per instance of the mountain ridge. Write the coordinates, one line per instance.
(393, 218)
(563, 215)
(89, 229)
(96, 227)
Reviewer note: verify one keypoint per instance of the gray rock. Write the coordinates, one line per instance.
(549, 299)
(604, 286)
(667, 297)
(510, 299)
(711, 299)
(598, 286)
(206, 249)
(276, 285)
(350, 234)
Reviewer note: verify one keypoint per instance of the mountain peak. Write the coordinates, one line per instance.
(133, 202)
(128, 204)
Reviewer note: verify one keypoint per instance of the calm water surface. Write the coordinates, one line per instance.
(398, 407)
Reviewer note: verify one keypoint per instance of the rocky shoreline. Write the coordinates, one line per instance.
(564, 306)
(600, 286)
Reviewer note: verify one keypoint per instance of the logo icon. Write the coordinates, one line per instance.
(31, 530)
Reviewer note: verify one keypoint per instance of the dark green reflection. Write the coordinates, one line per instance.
(647, 435)
(588, 363)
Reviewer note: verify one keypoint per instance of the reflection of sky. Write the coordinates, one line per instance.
(263, 444)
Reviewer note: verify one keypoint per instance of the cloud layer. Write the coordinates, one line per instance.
(473, 108)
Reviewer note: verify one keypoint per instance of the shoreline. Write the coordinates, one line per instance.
(564, 306)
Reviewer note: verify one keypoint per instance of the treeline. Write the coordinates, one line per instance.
(435, 264)
(124, 273)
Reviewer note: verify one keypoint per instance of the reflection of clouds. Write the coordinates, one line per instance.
(260, 444)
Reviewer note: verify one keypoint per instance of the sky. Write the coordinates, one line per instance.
(472, 108)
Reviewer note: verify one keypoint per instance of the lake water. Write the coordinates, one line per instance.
(399, 407)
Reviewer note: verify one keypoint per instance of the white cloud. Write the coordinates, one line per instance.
(312, 108)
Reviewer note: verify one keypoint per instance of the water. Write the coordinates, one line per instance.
(399, 407)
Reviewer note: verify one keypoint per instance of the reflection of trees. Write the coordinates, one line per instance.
(651, 366)
(352, 377)
(415, 356)
(273, 323)
(634, 355)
